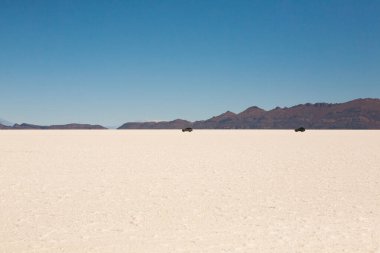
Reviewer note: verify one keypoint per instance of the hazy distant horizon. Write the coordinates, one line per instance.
(110, 126)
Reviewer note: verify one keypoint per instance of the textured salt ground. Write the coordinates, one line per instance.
(205, 191)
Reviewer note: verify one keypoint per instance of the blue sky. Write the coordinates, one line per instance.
(109, 62)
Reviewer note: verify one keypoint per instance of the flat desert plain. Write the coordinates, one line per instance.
(161, 191)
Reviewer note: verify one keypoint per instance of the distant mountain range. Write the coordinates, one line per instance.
(5, 122)
(64, 127)
(355, 114)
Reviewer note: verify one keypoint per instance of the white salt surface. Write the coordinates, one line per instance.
(206, 191)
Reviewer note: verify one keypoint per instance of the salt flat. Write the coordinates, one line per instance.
(205, 191)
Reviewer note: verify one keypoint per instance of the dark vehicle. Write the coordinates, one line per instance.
(300, 129)
(187, 129)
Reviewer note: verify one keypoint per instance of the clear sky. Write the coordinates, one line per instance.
(113, 61)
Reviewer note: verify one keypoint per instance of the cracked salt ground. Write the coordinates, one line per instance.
(211, 191)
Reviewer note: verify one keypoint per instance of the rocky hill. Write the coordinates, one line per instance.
(355, 114)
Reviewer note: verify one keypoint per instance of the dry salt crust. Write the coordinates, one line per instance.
(205, 191)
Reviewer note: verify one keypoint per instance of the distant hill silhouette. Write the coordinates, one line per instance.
(5, 122)
(77, 126)
(355, 114)
(72, 126)
(4, 127)
(175, 124)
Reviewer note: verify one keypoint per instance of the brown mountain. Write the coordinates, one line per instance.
(224, 120)
(28, 126)
(355, 114)
(175, 124)
(72, 126)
